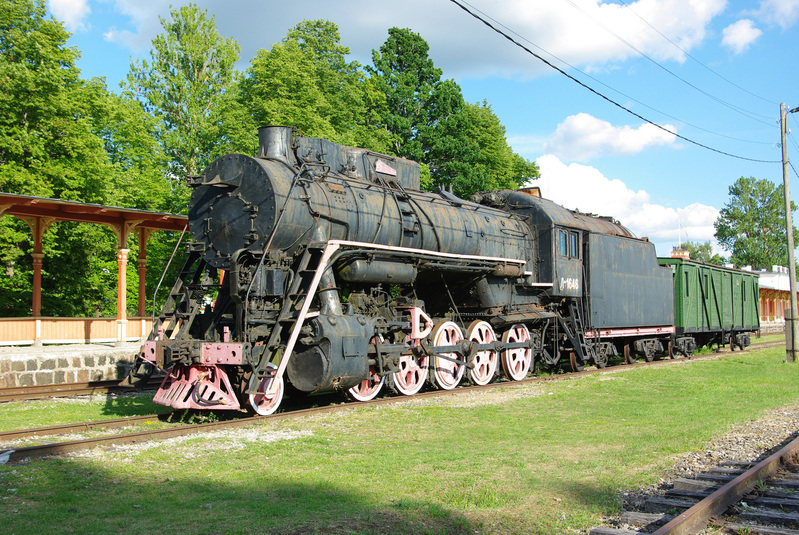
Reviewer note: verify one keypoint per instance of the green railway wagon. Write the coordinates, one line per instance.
(714, 304)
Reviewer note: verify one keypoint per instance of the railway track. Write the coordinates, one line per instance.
(747, 498)
(23, 393)
(12, 454)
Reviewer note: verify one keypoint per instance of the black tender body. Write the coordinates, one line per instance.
(325, 267)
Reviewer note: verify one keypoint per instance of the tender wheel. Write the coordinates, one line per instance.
(369, 388)
(601, 359)
(629, 357)
(262, 402)
(446, 373)
(516, 361)
(484, 363)
(576, 362)
(410, 376)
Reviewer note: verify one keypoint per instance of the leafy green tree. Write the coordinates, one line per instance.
(752, 224)
(279, 88)
(47, 147)
(306, 81)
(427, 120)
(703, 252)
(415, 98)
(183, 85)
(128, 134)
(497, 165)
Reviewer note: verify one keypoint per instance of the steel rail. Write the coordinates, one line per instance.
(79, 427)
(21, 393)
(697, 517)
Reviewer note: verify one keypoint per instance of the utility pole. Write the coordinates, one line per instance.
(791, 337)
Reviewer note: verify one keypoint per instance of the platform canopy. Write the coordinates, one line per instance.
(39, 213)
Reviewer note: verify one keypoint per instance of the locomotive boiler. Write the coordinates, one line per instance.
(316, 267)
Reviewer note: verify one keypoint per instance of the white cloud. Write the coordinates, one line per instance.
(740, 35)
(144, 21)
(585, 188)
(582, 137)
(72, 13)
(581, 34)
(783, 13)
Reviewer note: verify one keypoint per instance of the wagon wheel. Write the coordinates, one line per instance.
(262, 402)
(369, 388)
(671, 350)
(629, 357)
(484, 363)
(516, 361)
(576, 362)
(447, 374)
(410, 375)
(601, 359)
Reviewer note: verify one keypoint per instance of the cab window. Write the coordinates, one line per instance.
(562, 243)
(574, 245)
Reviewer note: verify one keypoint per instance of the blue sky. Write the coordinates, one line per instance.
(711, 71)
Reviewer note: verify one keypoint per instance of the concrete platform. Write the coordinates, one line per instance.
(30, 366)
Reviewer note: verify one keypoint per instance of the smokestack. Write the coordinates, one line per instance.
(275, 143)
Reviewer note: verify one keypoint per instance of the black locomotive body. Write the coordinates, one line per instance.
(325, 267)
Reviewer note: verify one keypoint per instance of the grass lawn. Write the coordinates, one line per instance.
(545, 458)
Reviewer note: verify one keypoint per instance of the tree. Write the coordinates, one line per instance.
(703, 252)
(184, 85)
(306, 81)
(47, 147)
(752, 224)
(498, 166)
(428, 120)
(128, 135)
(280, 88)
(416, 100)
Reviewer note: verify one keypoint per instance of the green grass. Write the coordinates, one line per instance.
(58, 411)
(545, 458)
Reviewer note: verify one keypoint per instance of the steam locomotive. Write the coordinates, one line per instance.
(316, 267)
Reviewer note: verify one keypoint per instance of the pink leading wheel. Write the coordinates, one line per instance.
(262, 402)
(484, 363)
(516, 361)
(369, 388)
(446, 373)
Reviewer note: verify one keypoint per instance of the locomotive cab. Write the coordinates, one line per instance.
(567, 263)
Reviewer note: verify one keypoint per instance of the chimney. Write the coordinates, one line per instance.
(679, 252)
(275, 143)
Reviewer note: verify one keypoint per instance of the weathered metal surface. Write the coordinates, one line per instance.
(626, 286)
(197, 387)
(221, 353)
(235, 204)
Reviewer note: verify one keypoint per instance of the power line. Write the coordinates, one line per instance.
(664, 68)
(597, 80)
(597, 93)
(678, 47)
(793, 140)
